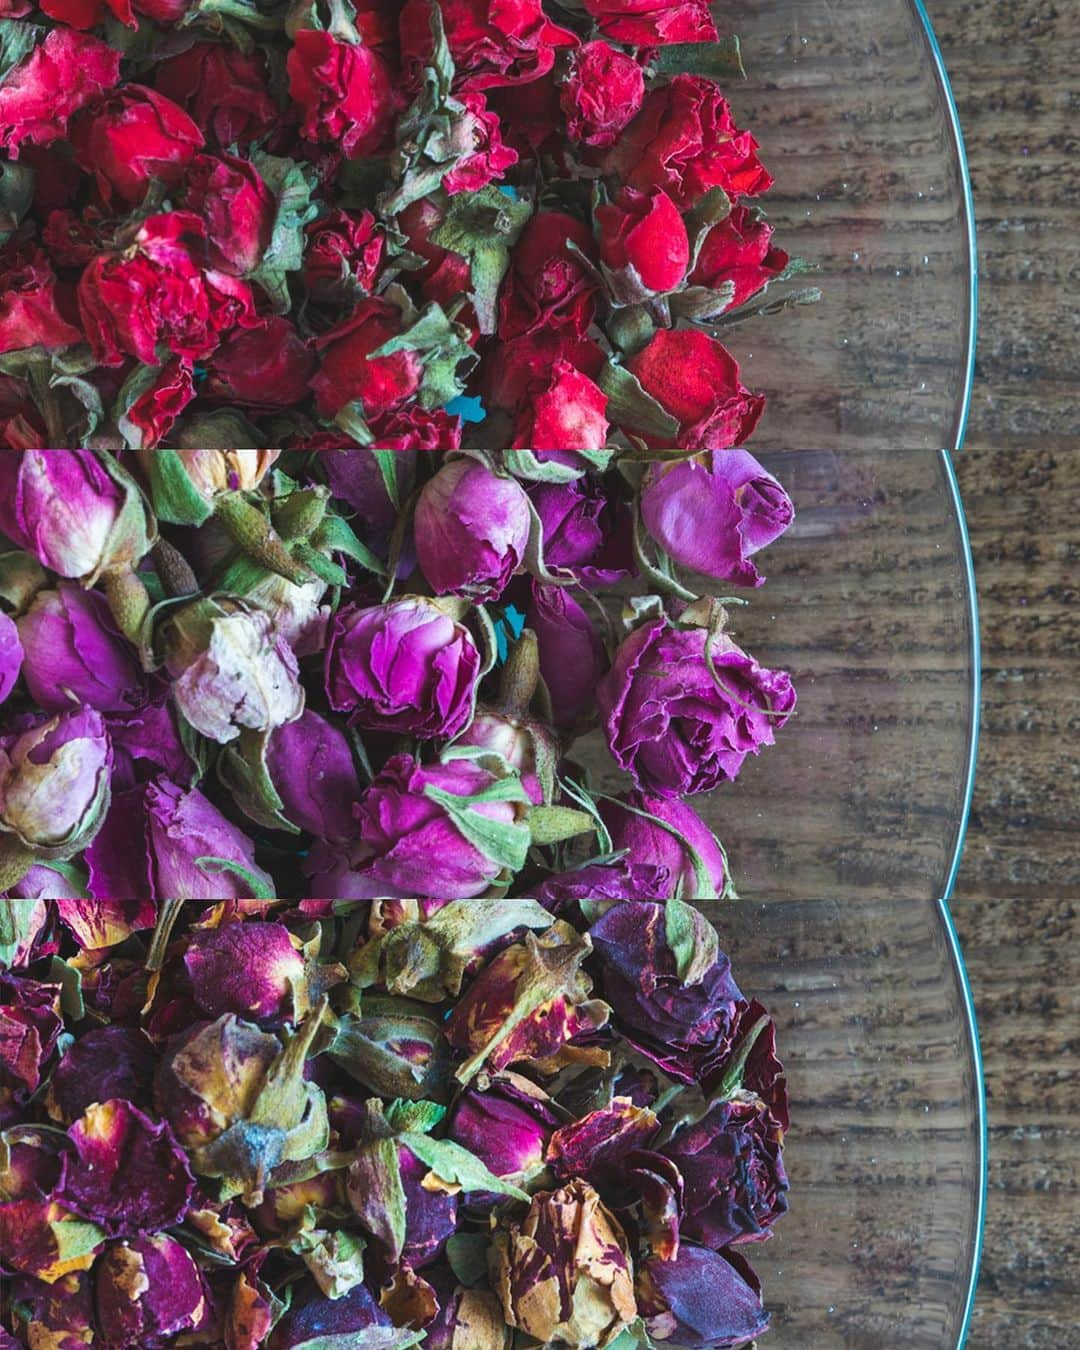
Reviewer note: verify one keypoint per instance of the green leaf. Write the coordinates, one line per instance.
(17, 40)
(371, 1338)
(387, 460)
(336, 535)
(16, 918)
(692, 939)
(175, 497)
(483, 226)
(292, 184)
(505, 843)
(554, 824)
(630, 405)
(719, 60)
(416, 1117)
(258, 888)
(458, 1167)
(350, 419)
(445, 352)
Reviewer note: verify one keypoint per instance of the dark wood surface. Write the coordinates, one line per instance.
(1014, 71)
(1013, 66)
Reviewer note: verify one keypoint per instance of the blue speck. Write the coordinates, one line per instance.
(468, 409)
(508, 191)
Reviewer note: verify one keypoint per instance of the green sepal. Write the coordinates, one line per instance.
(175, 497)
(292, 184)
(717, 60)
(444, 350)
(458, 1167)
(243, 771)
(505, 843)
(483, 226)
(629, 404)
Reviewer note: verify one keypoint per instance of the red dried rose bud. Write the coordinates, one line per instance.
(343, 91)
(491, 43)
(132, 136)
(342, 256)
(348, 372)
(39, 95)
(647, 23)
(601, 95)
(685, 140)
(35, 310)
(88, 13)
(548, 286)
(486, 158)
(152, 415)
(567, 414)
(157, 292)
(224, 91)
(266, 366)
(696, 379)
(739, 249)
(644, 231)
(237, 207)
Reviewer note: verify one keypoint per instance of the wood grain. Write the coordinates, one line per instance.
(1013, 67)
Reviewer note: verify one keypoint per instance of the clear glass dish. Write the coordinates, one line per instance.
(851, 104)
(870, 602)
(887, 1150)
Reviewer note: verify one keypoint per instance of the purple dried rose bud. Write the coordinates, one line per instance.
(253, 970)
(597, 1145)
(445, 830)
(131, 1175)
(701, 1300)
(404, 667)
(572, 657)
(526, 1004)
(160, 842)
(320, 797)
(231, 670)
(508, 1126)
(106, 1063)
(682, 1017)
(732, 1165)
(148, 1290)
(11, 656)
(356, 476)
(75, 510)
(54, 783)
(73, 653)
(563, 1273)
(472, 530)
(571, 519)
(687, 849)
(314, 1319)
(713, 512)
(603, 881)
(30, 1024)
(674, 727)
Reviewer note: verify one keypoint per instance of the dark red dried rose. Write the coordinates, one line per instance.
(548, 286)
(155, 411)
(343, 91)
(740, 250)
(493, 42)
(348, 372)
(566, 412)
(644, 231)
(237, 208)
(35, 309)
(224, 91)
(602, 93)
(342, 256)
(38, 96)
(268, 365)
(132, 136)
(649, 23)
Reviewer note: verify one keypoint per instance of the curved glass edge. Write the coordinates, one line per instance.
(975, 1047)
(975, 659)
(964, 410)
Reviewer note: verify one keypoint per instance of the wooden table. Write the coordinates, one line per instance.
(1013, 68)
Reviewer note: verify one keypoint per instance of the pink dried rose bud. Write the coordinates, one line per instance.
(472, 530)
(231, 671)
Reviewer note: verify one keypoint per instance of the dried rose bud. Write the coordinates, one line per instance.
(319, 800)
(148, 1290)
(54, 783)
(508, 1126)
(711, 514)
(395, 1048)
(596, 1146)
(73, 653)
(701, 1300)
(472, 530)
(406, 666)
(669, 834)
(254, 970)
(184, 484)
(231, 671)
(527, 1004)
(11, 656)
(76, 510)
(314, 1319)
(106, 1063)
(563, 1273)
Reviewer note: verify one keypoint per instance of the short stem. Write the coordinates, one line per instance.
(520, 676)
(129, 601)
(174, 570)
(170, 912)
(15, 861)
(45, 398)
(256, 536)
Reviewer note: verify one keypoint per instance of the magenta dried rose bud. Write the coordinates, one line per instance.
(670, 986)
(253, 970)
(598, 1145)
(426, 831)
(161, 841)
(661, 832)
(406, 666)
(472, 530)
(75, 510)
(604, 881)
(74, 654)
(677, 727)
(131, 1175)
(54, 783)
(563, 1273)
(319, 800)
(508, 1126)
(701, 1300)
(231, 670)
(712, 513)
(572, 657)
(148, 1290)
(11, 656)
(732, 1166)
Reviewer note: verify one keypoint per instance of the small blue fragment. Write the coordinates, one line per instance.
(508, 191)
(468, 409)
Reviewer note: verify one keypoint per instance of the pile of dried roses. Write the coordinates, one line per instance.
(262, 673)
(331, 223)
(326, 1124)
